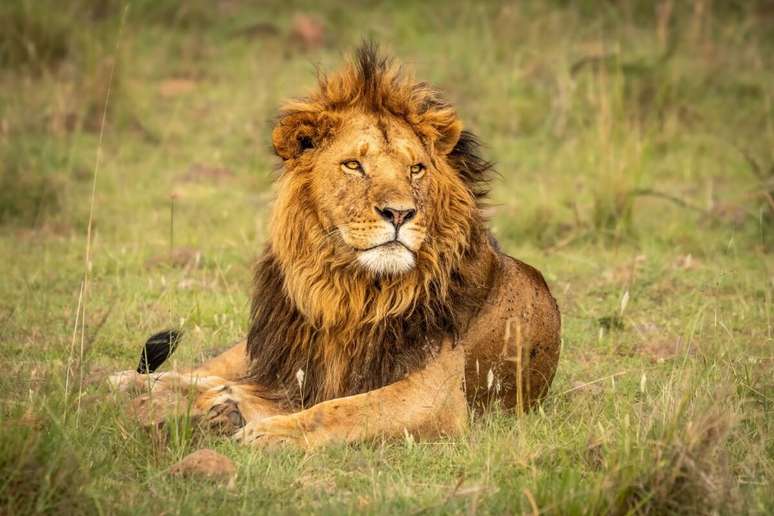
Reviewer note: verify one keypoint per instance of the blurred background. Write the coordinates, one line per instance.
(634, 141)
(600, 114)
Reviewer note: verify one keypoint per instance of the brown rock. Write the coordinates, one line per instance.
(207, 464)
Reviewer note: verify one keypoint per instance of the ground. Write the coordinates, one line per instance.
(635, 147)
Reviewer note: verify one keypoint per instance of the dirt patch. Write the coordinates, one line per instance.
(206, 464)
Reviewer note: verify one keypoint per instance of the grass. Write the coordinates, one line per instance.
(635, 145)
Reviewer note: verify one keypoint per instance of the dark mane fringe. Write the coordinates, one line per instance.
(281, 342)
(475, 171)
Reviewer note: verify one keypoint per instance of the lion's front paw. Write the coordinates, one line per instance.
(272, 432)
(224, 418)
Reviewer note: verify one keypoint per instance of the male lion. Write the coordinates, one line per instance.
(381, 304)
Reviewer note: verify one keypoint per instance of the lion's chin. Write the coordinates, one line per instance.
(387, 259)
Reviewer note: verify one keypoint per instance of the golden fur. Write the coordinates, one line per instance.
(381, 303)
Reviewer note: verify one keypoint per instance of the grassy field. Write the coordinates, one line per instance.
(635, 147)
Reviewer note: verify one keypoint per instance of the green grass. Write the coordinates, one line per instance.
(635, 147)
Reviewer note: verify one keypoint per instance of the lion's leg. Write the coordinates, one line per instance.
(426, 404)
(134, 382)
(512, 346)
(226, 409)
(223, 407)
(171, 393)
(231, 365)
(228, 366)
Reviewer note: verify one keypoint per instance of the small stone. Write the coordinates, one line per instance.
(207, 464)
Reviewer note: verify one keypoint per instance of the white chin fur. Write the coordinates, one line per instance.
(390, 259)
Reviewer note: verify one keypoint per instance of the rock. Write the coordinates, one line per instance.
(207, 464)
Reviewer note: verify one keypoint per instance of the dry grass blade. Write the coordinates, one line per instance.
(90, 225)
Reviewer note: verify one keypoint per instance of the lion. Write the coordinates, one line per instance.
(382, 305)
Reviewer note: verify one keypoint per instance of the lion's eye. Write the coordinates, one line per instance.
(352, 165)
(417, 169)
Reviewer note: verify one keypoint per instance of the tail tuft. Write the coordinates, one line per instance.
(158, 349)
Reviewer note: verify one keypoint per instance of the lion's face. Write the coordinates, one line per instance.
(370, 186)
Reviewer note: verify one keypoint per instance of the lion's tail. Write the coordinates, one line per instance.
(157, 349)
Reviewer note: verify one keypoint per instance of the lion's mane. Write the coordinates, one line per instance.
(313, 310)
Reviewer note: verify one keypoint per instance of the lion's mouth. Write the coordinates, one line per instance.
(390, 244)
(393, 257)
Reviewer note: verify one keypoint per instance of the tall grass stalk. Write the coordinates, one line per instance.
(87, 264)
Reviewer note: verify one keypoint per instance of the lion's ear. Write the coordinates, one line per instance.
(448, 137)
(299, 131)
(446, 129)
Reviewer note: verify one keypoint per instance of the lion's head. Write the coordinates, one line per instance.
(376, 232)
(371, 190)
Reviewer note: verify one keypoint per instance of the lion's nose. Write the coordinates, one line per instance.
(396, 217)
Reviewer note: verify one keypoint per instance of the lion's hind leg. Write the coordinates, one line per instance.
(134, 382)
(157, 397)
(215, 404)
(211, 393)
(227, 366)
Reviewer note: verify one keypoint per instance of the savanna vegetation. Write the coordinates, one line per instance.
(634, 142)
